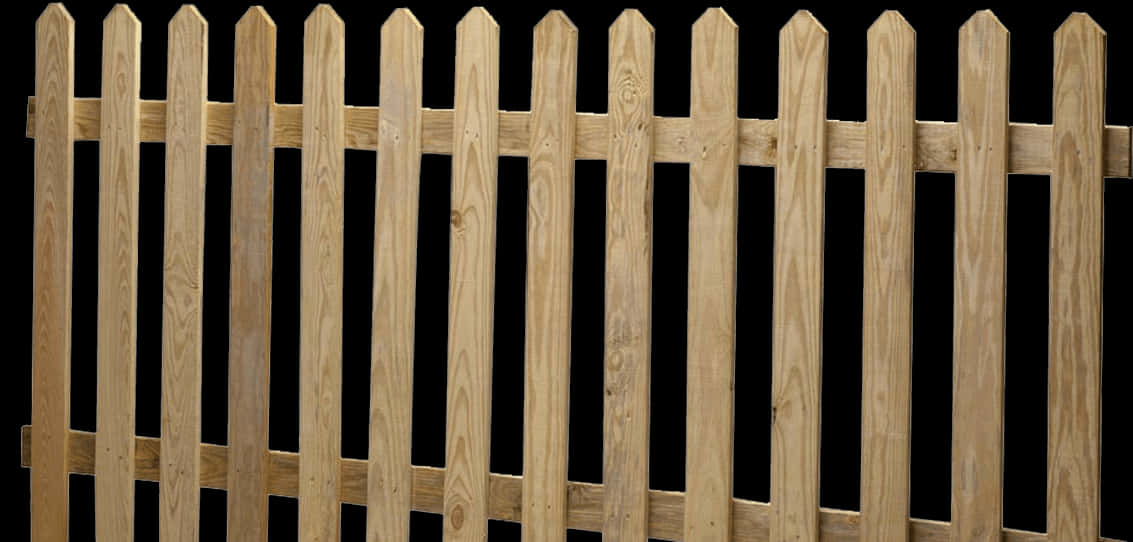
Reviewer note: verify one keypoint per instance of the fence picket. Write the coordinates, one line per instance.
(320, 275)
(472, 262)
(395, 276)
(887, 299)
(713, 206)
(249, 322)
(550, 242)
(187, 86)
(1074, 423)
(979, 296)
(117, 275)
(628, 290)
(796, 343)
(51, 272)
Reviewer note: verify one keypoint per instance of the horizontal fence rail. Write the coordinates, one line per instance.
(982, 148)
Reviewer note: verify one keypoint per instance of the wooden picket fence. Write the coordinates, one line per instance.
(982, 148)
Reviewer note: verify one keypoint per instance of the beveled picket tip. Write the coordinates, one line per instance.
(188, 16)
(255, 16)
(477, 15)
(403, 17)
(714, 17)
(801, 21)
(984, 20)
(323, 14)
(630, 18)
(1079, 21)
(555, 18)
(890, 20)
(120, 13)
(54, 12)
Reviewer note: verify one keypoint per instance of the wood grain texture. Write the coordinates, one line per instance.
(1074, 420)
(936, 141)
(796, 341)
(550, 244)
(887, 297)
(181, 328)
(979, 299)
(389, 480)
(628, 286)
(472, 261)
(249, 320)
(320, 275)
(504, 502)
(117, 275)
(51, 272)
(713, 206)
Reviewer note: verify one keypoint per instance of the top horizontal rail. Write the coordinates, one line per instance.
(937, 143)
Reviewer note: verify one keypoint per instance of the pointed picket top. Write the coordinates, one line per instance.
(555, 19)
(54, 13)
(477, 16)
(255, 17)
(631, 18)
(984, 21)
(890, 22)
(120, 14)
(802, 23)
(189, 18)
(403, 18)
(1079, 22)
(714, 19)
(324, 16)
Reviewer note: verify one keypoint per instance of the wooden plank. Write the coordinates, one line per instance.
(472, 262)
(1074, 420)
(550, 241)
(186, 86)
(796, 341)
(51, 272)
(117, 275)
(389, 482)
(320, 275)
(628, 289)
(249, 321)
(887, 298)
(584, 505)
(713, 206)
(936, 141)
(979, 298)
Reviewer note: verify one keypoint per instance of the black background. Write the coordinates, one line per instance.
(1032, 26)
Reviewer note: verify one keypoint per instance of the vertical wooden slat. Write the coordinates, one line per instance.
(629, 267)
(185, 125)
(1073, 433)
(713, 204)
(887, 299)
(51, 275)
(117, 275)
(550, 222)
(320, 275)
(472, 263)
(389, 492)
(249, 321)
(796, 343)
(979, 296)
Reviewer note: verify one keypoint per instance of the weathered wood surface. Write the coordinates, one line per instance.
(51, 273)
(395, 276)
(472, 262)
(117, 275)
(181, 328)
(887, 296)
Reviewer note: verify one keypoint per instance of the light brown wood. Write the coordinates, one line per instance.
(796, 319)
(550, 241)
(937, 143)
(584, 502)
(249, 316)
(1074, 419)
(389, 482)
(979, 299)
(887, 297)
(51, 272)
(628, 288)
(713, 206)
(181, 328)
(472, 262)
(117, 275)
(320, 275)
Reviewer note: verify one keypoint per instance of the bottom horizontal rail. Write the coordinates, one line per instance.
(505, 495)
